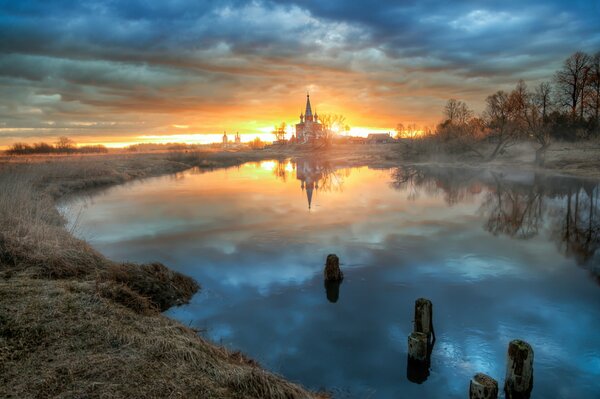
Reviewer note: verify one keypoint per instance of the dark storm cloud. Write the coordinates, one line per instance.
(465, 34)
(114, 56)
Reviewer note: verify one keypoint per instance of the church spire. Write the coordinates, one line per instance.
(308, 113)
(309, 193)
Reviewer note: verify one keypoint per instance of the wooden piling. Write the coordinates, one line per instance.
(483, 387)
(420, 342)
(423, 321)
(418, 346)
(332, 270)
(519, 370)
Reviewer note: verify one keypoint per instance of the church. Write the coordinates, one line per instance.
(309, 129)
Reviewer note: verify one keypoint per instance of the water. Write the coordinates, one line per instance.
(501, 258)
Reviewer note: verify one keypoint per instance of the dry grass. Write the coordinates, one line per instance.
(64, 339)
(75, 324)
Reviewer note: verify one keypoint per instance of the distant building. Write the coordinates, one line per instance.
(238, 139)
(357, 140)
(379, 138)
(309, 129)
(225, 140)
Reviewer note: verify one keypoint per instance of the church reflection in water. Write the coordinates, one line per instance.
(314, 175)
(310, 173)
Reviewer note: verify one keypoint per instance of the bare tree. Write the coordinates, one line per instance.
(543, 99)
(279, 131)
(65, 144)
(530, 112)
(571, 81)
(335, 122)
(457, 111)
(594, 89)
(400, 129)
(499, 117)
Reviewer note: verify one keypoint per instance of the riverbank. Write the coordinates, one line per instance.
(578, 159)
(76, 324)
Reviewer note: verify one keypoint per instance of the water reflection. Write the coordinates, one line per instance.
(518, 205)
(314, 175)
(332, 290)
(497, 255)
(579, 229)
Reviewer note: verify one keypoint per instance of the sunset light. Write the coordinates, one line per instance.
(246, 68)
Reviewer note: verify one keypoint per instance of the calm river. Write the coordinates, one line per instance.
(500, 258)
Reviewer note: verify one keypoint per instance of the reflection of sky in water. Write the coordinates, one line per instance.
(258, 252)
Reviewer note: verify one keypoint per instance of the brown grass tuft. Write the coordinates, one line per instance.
(161, 285)
(123, 295)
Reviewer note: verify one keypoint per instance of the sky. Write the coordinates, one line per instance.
(120, 72)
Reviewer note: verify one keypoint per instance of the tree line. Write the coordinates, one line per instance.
(564, 108)
(63, 145)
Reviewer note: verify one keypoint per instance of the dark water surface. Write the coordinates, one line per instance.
(501, 258)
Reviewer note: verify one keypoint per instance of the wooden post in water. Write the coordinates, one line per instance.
(483, 387)
(332, 270)
(417, 347)
(418, 360)
(519, 370)
(420, 342)
(424, 318)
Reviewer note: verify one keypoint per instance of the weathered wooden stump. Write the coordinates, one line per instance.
(423, 322)
(418, 346)
(483, 387)
(332, 289)
(519, 370)
(417, 368)
(332, 270)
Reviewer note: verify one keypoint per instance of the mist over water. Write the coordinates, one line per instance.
(500, 256)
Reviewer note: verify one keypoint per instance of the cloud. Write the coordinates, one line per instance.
(228, 62)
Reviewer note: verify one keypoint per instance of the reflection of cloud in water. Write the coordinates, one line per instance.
(475, 267)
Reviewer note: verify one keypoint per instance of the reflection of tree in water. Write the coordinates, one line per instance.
(457, 185)
(281, 170)
(578, 224)
(520, 209)
(514, 210)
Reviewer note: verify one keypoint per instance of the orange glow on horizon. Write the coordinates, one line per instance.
(251, 118)
(265, 134)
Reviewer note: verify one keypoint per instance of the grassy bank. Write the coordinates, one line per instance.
(76, 324)
(581, 159)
